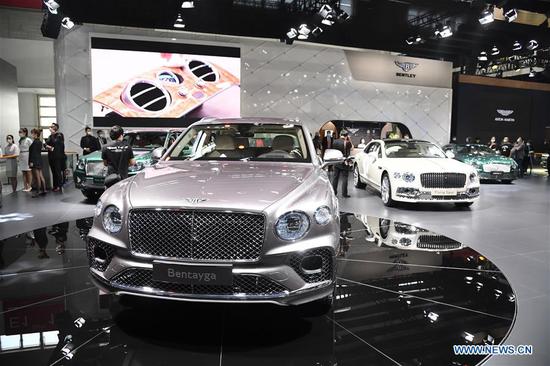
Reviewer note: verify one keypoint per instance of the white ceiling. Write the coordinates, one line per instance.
(33, 60)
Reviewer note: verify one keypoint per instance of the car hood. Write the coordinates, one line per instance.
(427, 165)
(249, 186)
(490, 159)
(138, 155)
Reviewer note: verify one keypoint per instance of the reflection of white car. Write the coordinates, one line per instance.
(415, 171)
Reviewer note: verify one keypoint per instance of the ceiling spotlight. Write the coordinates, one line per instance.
(325, 11)
(517, 46)
(413, 40)
(67, 23)
(495, 51)
(482, 56)
(179, 22)
(303, 31)
(188, 5)
(342, 16)
(316, 31)
(52, 6)
(444, 32)
(487, 16)
(532, 45)
(291, 35)
(532, 73)
(511, 15)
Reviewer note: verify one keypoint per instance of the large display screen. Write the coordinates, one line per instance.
(155, 84)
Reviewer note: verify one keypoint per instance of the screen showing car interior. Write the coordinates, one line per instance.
(153, 84)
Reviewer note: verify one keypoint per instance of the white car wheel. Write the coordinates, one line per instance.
(385, 191)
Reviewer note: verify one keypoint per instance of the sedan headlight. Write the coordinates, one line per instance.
(292, 225)
(407, 176)
(112, 220)
(473, 176)
(81, 165)
(98, 208)
(322, 215)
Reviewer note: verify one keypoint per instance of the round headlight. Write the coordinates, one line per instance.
(473, 177)
(322, 215)
(81, 165)
(112, 220)
(397, 175)
(408, 177)
(292, 225)
(98, 208)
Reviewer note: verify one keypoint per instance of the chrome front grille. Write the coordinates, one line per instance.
(243, 284)
(196, 235)
(96, 169)
(437, 242)
(443, 180)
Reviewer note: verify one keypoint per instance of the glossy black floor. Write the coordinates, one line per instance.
(404, 297)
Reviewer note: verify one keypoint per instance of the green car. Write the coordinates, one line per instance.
(489, 164)
(90, 172)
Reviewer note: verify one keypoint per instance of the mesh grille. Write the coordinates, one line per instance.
(109, 251)
(326, 272)
(197, 235)
(134, 278)
(443, 180)
(437, 242)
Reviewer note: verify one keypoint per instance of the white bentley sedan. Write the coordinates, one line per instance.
(415, 171)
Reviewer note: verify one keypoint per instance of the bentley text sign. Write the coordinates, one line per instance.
(387, 68)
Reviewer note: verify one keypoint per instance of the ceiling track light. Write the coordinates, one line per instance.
(444, 32)
(517, 46)
(532, 73)
(179, 22)
(187, 4)
(495, 51)
(52, 6)
(487, 16)
(482, 56)
(532, 45)
(511, 15)
(67, 23)
(303, 31)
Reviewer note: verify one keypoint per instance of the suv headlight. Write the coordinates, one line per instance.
(292, 225)
(322, 215)
(112, 220)
(81, 165)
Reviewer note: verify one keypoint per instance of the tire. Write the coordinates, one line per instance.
(357, 178)
(385, 191)
(463, 204)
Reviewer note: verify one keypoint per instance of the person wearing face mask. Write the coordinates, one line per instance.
(101, 137)
(24, 144)
(88, 142)
(11, 152)
(35, 163)
(56, 156)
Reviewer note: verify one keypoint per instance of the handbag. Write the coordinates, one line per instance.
(114, 178)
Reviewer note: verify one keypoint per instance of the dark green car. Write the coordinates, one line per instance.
(90, 172)
(489, 164)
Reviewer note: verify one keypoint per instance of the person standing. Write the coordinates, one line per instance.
(528, 158)
(317, 143)
(101, 138)
(56, 155)
(35, 163)
(89, 143)
(11, 151)
(24, 144)
(517, 153)
(505, 147)
(493, 144)
(118, 155)
(344, 145)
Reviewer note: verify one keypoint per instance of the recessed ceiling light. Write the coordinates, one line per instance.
(495, 51)
(517, 46)
(487, 16)
(511, 15)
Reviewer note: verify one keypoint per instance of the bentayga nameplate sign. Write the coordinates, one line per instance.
(385, 68)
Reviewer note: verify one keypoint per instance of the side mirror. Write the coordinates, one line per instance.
(450, 154)
(157, 153)
(332, 156)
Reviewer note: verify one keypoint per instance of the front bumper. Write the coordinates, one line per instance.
(417, 195)
(277, 279)
(84, 182)
(497, 176)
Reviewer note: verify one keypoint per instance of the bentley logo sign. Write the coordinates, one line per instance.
(195, 200)
(505, 112)
(406, 67)
(505, 115)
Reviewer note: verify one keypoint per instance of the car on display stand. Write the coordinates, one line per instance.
(414, 171)
(236, 210)
(489, 164)
(90, 172)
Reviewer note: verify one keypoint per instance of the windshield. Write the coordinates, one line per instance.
(474, 150)
(413, 149)
(245, 141)
(145, 139)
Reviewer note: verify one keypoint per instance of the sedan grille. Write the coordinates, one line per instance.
(243, 284)
(196, 235)
(96, 169)
(437, 242)
(443, 180)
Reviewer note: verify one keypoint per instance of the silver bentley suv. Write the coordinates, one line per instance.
(236, 210)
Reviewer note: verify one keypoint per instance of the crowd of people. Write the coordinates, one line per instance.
(521, 151)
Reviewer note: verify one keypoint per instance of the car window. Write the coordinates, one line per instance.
(413, 149)
(145, 139)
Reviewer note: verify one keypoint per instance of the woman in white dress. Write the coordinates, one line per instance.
(11, 152)
(24, 143)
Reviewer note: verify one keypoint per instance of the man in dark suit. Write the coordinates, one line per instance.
(88, 142)
(344, 145)
(56, 156)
